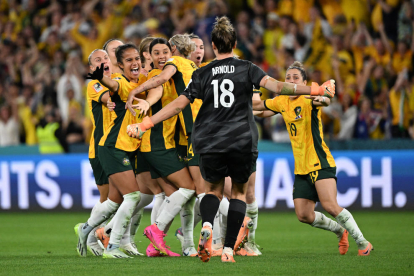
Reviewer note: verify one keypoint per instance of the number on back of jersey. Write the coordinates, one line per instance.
(226, 93)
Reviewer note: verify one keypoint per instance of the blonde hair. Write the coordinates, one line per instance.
(223, 35)
(184, 44)
(144, 47)
(91, 54)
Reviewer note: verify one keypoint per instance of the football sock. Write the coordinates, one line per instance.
(100, 214)
(252, 211)
(187, 222)
(91, 236)
(173, 206)
(237, 210)
(216, 230)
(224, 210)
(123, 217)
(136, 217)
(159, 199)
(197, 214)
(209, 207)
(323, 222)
(347, 221)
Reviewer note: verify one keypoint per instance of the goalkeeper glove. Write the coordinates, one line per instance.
(138, 130)
(98, 74)
(327, 89)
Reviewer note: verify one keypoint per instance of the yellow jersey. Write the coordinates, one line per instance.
(303, 122)
(115, 134)
(180, 80)
(100, 114)
(161, 136)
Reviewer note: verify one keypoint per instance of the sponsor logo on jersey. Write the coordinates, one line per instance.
(126, 162)
(98, 87)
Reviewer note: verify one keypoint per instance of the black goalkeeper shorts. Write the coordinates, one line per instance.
(238, 165)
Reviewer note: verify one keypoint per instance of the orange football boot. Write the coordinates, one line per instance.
(205, 250)
(243, 233)
(366, 251)
(343, 243)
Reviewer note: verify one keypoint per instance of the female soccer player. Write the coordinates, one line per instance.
(158, 147)
(315, 169)
(224, 133)
(116, 148)
(110, 47)
(97, 97)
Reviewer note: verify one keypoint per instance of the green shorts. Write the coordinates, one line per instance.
(114, 160)
(141, 165)
(182, 152)
(193, 158)
(163, 163)
(98, 172)
(304, 186)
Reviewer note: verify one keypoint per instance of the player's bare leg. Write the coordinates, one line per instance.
(327, 192)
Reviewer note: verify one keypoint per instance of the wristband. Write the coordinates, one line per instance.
(316, 90)
(147, 123)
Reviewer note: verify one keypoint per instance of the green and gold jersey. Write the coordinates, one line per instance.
(100, 115)
(161, 136)
(180, 80)
(303, 122)
(116, 135)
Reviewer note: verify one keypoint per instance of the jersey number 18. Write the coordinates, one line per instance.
(225, 92)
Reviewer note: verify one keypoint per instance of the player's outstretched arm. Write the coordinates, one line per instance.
(319, 100)
(290, 89)
(170, 110)
(156, 81)
(98, 74)
(154, 95)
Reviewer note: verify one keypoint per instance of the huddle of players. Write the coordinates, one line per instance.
(160, 147)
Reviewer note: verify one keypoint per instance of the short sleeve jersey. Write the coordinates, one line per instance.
(225, 121)
(161, 136)
(100, 115)
(303, 122)
(180, 80)
(116, 135)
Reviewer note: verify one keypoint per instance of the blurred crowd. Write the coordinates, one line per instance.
(365, 45)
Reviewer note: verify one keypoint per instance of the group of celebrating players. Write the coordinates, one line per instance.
(197, 145)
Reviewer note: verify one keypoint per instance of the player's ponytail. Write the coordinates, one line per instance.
(299, 66)
(223, 35)
(184, 44)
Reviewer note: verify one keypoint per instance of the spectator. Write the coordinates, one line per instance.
(400, 108)
(9, 125)
(49, 133)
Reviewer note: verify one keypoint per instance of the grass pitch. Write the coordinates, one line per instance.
(45, 244)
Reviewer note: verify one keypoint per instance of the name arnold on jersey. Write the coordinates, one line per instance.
(223, 69)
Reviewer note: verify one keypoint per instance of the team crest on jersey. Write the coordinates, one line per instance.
(126, 162)
(298, 110)
(98, 87)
